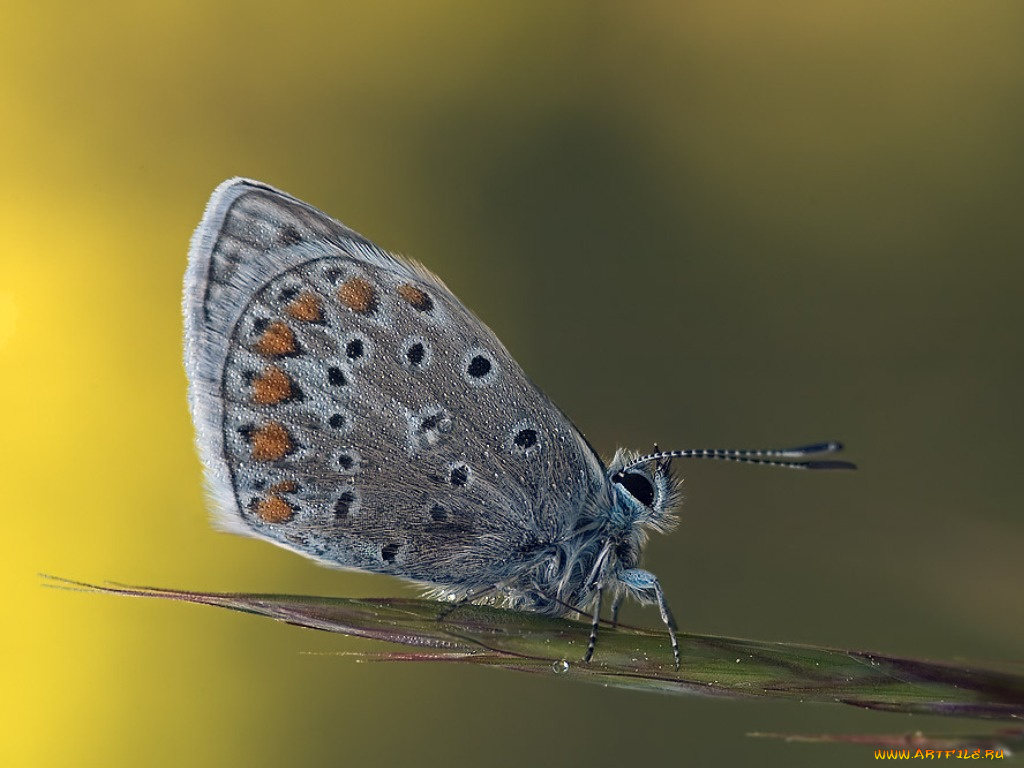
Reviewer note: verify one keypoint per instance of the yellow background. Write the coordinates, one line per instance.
(699, 223)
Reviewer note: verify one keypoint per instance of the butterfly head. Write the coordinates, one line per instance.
(644, 495)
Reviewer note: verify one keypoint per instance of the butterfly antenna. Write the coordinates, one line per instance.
(769, 457)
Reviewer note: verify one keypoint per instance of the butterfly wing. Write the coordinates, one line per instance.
(350, 408)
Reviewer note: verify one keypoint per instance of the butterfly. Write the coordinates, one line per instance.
(350, 408)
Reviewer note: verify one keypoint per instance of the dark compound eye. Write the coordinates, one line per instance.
(636, 485)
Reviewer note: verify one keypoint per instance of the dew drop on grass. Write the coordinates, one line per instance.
(560, 667)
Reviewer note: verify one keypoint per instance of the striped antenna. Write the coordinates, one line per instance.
(769, 457)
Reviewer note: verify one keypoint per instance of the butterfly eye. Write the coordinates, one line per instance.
(636, 485)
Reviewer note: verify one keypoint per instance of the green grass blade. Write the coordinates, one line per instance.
(633, 658)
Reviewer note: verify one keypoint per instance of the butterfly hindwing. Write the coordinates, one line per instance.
(353, 410)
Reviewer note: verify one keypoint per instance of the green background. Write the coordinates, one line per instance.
(702, 224)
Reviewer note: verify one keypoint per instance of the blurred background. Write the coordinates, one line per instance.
(704, 224)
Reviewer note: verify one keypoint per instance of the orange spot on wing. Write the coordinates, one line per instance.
(417, 298)
(270, 442)
(305, 307)
(273, 509)
(358, 294)
(277, 340)
(271, 387)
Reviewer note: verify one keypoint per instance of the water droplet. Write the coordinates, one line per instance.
(560, 667)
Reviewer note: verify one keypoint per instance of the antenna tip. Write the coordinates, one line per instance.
(830, 465)
(831, 446)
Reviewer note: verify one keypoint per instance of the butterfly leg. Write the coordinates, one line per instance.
(592, 642)
(616, 604)
(646, 583)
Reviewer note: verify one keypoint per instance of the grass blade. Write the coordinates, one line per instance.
(633, 658)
